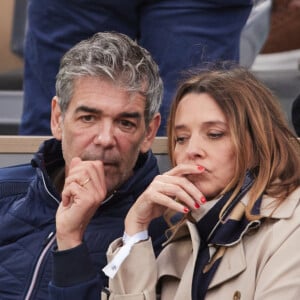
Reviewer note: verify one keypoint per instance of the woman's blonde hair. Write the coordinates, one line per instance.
(253, 113)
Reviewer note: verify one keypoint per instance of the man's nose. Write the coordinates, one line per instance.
(105, 135)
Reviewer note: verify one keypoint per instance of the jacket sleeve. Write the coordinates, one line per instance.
(280, 277)
(137, 275)
(74, 276)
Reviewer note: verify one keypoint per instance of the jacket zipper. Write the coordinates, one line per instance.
(48, 243)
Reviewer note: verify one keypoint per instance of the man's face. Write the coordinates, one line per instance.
(103, 122)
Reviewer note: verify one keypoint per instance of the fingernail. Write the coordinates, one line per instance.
(197, 205)
(203, 199)
(186, 210)
(200, 168)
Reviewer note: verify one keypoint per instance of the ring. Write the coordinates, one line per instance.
(85, 182)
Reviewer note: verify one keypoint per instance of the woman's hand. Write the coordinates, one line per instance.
(170, 190)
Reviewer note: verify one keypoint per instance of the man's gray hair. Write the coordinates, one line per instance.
(115, 57)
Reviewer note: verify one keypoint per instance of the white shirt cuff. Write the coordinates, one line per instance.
(112, 268)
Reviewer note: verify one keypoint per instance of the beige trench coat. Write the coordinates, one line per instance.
(264, 265)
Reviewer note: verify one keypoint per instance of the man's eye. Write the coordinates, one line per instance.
(87, 118)
(127, 124)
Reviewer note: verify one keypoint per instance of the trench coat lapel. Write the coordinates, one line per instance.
(234, 261)
(180, 252)
(232, 264)
(179, 247)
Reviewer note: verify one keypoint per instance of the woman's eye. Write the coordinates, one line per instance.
(215, 135)
(180, 139)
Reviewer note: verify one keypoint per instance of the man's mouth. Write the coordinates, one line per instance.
(110, 164)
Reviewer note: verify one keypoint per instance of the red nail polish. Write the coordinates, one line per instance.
(197, 205)
(200, 168)
(203, 199)
(186, 210)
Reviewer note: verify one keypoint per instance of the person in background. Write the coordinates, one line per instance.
(296, 115)
(104, 118)
(232, 199)
(178, 34)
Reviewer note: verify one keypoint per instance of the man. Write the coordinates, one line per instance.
(104, 119)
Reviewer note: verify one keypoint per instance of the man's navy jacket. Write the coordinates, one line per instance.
(28, 204)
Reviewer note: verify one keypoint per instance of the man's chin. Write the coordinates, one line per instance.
(114, 178)
(112, 181)
(111, 187)
(111, 169)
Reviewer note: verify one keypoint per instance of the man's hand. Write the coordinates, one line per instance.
(83, 192)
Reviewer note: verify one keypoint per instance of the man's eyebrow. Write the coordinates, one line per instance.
(83, 108)
(131, 115)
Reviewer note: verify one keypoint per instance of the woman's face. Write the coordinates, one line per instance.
(202, 137)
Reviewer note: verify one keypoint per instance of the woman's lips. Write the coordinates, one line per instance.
(197, 177)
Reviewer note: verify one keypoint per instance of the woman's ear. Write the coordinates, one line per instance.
(151, 133)
(56, 119)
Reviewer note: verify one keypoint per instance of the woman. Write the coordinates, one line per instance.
(236, 182)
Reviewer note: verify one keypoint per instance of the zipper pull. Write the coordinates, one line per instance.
(47, 240)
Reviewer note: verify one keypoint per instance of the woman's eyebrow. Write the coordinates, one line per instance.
(179, 127)
(207, 123)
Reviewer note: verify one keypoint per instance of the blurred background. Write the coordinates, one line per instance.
(270, 46)
(12, 29)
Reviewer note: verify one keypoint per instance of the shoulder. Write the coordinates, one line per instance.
(286, 210)
(282, 223)
(17, 172)
(15, 179)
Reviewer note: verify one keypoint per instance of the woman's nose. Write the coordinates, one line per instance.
(195, 147)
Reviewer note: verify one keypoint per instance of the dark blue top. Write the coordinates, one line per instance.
(28, 204)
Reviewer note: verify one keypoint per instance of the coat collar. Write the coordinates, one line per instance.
(286, 208)
(234, 261)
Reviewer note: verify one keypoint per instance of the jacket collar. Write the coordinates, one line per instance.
(49, 158)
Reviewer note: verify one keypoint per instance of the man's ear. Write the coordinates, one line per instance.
(150, 133)
(56, 119)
